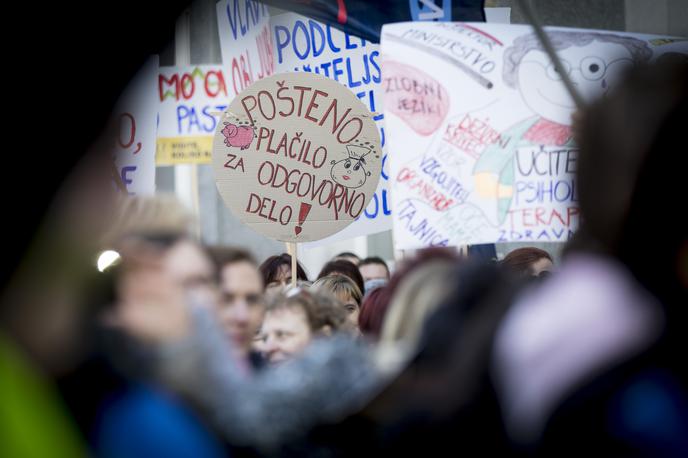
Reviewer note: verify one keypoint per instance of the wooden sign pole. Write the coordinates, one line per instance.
(294, 272)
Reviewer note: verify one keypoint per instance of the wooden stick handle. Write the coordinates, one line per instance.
(294, 272)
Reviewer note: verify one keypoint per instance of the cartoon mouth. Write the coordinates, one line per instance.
(559, 104)
(346, 177)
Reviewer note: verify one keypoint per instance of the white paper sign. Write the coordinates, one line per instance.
(479, 121)
(135, 118)
(189, 97)
(245, 42)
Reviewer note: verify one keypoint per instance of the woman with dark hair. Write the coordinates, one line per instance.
(276, 271)
(529, 261)
(374, 307)
(346, 268)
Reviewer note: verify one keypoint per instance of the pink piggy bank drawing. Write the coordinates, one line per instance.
(239, 136)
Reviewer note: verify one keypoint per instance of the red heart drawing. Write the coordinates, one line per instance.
(298, 230)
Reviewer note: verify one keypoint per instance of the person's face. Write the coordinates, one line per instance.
(286, 332)
(352, 309)
(540, 266)
(242, 304)
(282, 279)
(187, 265)
(373, 272)
(592, 70)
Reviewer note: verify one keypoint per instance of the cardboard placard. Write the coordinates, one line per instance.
(297, 157)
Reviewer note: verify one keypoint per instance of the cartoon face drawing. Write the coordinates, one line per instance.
(350, 172)
(592, 70)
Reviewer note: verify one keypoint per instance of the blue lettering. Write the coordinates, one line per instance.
(352, 84)
(253, 12)
(209, 127)
(182, 113)
(347, 43)
(313, 27)
(281, 44)
(378, 78)
(329, 40)
(382, 172)
(385, 209)
(125, 176)
(335, 69)
(373, 215)
(302, 26)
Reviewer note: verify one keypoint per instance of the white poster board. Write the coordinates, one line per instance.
(135, 118)
(245, 43)
(190, 99)
(297, 157)
(479, 121)
(306, 45)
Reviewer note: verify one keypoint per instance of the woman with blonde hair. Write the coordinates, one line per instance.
(422, 291)
(346, 291)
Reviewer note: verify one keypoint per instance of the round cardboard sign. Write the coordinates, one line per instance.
(297, 157)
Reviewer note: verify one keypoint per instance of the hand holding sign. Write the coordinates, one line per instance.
(297, 157)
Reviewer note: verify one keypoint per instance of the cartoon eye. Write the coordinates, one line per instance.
(552, 72)
(357, 166)
(347, 164)
(592, 68)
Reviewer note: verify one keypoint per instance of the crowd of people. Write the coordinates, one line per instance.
(193, 350)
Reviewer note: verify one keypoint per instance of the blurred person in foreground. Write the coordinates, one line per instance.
(267, 409)
(589, 362)
(293, 319)
(114, 395)
(241, 306)
(347, 293)
(274, 410)
(277, 274)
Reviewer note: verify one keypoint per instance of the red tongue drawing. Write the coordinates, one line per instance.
(303, 213)
(415, 97)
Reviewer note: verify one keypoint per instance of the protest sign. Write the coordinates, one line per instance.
(191, 99)
(305, 45)
(245, 43)
(479, 122)
(135, 118)
(297, 157)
